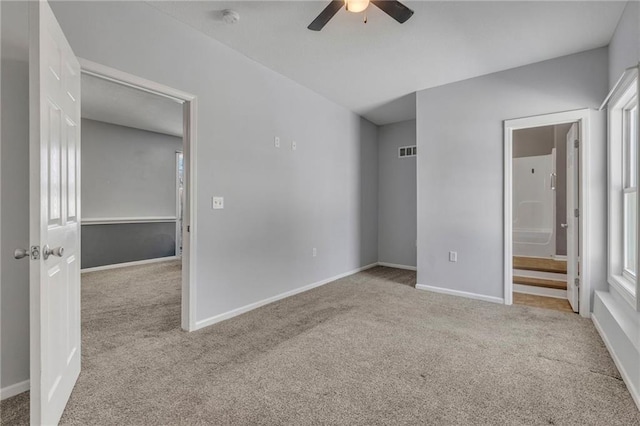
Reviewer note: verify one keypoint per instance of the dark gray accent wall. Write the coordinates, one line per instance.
(126, 242)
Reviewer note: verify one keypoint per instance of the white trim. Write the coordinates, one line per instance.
(623, 92)
(128, 264)
(621, 85)
(540, 291)
(635, 393)
(178, 238)
(508, 216)
(582, 117)
(190, 139)
(1, 391)
(398, 266)
(459, 293)
(243, 309)
(13, 390)
(617, 283)
(120, 77)
(117, 220)
(189, 216)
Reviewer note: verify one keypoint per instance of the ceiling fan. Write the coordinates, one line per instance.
(395, 9)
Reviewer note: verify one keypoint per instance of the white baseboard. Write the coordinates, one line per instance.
(14, 390)
(468, 295)
(127, 264)
(635, 394)
(238, 311)
(540, 291)
(397, 266)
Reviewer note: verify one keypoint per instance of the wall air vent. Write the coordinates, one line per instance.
(407, 151)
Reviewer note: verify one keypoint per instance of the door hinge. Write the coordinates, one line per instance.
(188, 228)
(576, 213)
(577, 282)
(35, 252)
(576, 143)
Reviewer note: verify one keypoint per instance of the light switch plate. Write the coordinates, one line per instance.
(217, 203)
(453, 256)
(293, 145)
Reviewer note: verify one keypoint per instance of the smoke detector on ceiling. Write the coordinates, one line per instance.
(230, 16)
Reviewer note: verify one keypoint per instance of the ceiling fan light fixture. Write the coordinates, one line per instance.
(356, 6)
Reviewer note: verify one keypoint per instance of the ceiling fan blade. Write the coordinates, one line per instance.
(326, 15)
(395, 9)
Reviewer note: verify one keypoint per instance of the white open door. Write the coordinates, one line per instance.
(54, 84)
(573, 218)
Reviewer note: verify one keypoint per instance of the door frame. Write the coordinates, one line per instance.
(582, 117)
(179, 227)
(190, 113)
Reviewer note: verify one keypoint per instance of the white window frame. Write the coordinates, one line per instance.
(623, 97)
(629, 187)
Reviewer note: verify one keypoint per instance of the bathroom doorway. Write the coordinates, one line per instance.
(542, 210)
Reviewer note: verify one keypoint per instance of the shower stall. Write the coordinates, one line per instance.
(534, 217)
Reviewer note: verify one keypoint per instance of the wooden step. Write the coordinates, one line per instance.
(541, 264)
(540, 282)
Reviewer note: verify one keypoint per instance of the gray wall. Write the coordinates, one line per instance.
(624, 50)
(533, 142)
(279, 203)
(126, 242)
(396, 195)
(460, 165)
(127, 172)
(14, 320)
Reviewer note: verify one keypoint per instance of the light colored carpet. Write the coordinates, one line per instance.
(365, 350)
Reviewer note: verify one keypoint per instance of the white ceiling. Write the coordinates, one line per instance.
(103, 100)
(371, 68)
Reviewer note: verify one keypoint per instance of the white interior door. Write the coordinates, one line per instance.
(572, 217)
(54, 84)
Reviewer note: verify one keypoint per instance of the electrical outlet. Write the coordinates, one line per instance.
(453, 256)
(217, 203)
(276, 142)
(293, 145)
(315, 252)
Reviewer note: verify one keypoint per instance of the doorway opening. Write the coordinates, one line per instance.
(144, 213)
(544, 211)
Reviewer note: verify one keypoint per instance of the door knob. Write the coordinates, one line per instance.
(56, 251)
(564, 225)
(21, 253)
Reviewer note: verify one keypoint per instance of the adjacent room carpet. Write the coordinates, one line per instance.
(367, 349)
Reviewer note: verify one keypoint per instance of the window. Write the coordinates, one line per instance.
(623, 186)
(630, 189)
